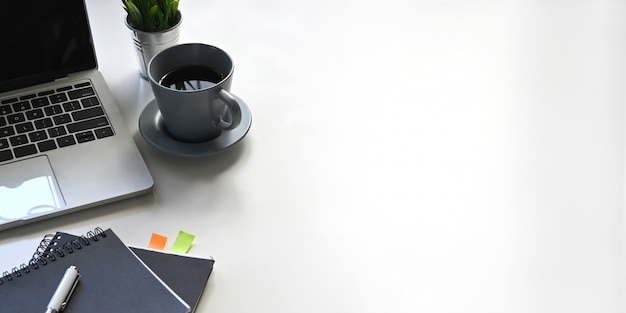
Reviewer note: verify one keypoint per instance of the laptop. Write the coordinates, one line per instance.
(64, 145)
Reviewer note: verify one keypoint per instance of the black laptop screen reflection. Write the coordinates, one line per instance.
(31, 198)
(47, 40)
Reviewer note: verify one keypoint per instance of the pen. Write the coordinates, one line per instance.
(64, 290)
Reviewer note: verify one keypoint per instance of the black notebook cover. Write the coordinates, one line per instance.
(186, 275)
(112, 279)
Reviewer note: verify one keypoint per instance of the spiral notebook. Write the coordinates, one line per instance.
(113, 279)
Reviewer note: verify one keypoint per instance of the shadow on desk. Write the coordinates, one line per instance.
(192, 168)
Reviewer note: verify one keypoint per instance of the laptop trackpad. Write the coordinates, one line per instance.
(28, 188)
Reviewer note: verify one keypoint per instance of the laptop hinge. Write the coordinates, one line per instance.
(61, 78)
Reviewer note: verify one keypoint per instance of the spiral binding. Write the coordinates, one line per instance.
(48, 251)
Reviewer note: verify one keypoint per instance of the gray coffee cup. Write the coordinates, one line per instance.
(191, 84)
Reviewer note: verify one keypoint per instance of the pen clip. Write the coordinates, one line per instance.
(69, 294)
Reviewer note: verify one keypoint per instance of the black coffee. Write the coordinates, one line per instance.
(191, 77)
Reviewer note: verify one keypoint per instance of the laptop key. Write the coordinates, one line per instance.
(90, 102)
(43, 123)
(5, 109)
(57, 131)
(85, 136)
(24, 127)
(53, 110)
(28, 97)
(4, 144)
(104, 132)
(7, 131)
(37, 136)
(19, 140)
(71, 106)
(88, 113)
(39, 102)
(11, 100)
(82, 84)
(5, 155)
(87, 124)
(58, 98)
(61, 119)
(46, 145)
(16, 118)
(45, 93)
(66, 141)
(34, 114)
(81, 93)
(21, 106)
(25, 150)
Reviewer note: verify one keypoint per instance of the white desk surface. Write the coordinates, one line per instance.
(404, 156)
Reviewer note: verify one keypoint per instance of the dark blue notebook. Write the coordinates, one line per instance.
(112, 279)
(186, 275)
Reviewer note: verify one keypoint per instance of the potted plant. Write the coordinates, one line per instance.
(154, 26)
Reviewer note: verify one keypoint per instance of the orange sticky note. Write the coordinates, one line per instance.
(157, 242)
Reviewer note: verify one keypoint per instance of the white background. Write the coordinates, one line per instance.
(404, 156)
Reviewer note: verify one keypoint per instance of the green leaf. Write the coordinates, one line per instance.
(153, 18)
(151, 15)
(135, 17)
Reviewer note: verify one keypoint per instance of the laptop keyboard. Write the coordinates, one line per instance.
(51, 119)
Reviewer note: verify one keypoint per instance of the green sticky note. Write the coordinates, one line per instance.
(182, 244)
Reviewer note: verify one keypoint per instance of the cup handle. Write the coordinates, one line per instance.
(235, 111)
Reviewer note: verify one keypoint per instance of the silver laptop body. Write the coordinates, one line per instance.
(64, 145)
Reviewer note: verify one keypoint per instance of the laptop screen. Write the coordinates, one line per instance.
(45, 40)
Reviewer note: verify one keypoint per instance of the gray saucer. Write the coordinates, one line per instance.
(153, 129)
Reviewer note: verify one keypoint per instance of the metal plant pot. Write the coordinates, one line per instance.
(148, 44)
